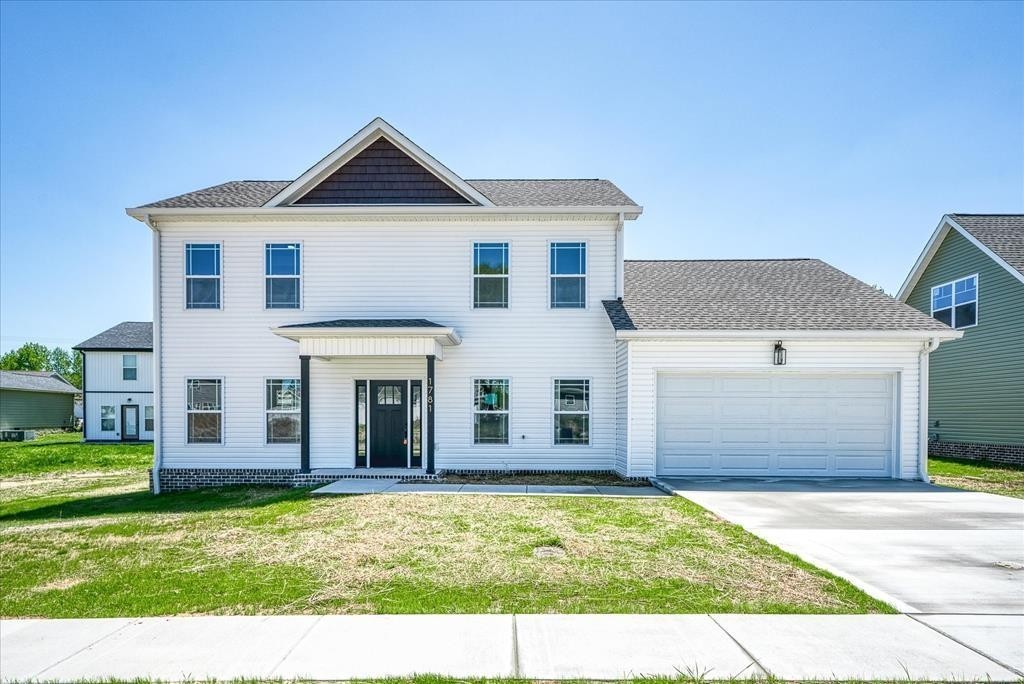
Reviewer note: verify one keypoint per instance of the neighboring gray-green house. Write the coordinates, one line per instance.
(971, 277)
(30, 400)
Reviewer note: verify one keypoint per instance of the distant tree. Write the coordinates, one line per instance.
(69, 365)
(30, 356)
(33, 356)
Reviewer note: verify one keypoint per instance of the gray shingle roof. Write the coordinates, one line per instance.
(36, 381)
(137, 335)
(786, 294)
(504, 193)
(369, 323)
(1002, 233)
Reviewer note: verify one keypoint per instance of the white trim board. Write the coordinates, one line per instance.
(934, 242)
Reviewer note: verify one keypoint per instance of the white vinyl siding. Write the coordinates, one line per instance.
(649, 358)
(621, 406)
(390, 268)
(93, 408)
(105, 386)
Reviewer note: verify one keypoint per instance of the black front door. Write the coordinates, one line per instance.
(388, 424)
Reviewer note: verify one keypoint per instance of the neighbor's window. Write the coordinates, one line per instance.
(205, 408)
(572, 411)
(490, 275)
(490, 412)
(202, 276)
(568, 275)
(107, 418)
(129, 367)
(956, 303)
(284, 406)
(283, 265)
(147, 419)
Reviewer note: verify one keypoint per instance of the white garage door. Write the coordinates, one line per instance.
(782, 424)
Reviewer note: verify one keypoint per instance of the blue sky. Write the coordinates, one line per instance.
(839, 131)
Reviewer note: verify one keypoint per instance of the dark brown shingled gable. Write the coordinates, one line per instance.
(382, 174)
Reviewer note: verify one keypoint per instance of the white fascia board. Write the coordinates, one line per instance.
(940, 233)
(446, 336)
(789, 334)
(356, 144)
(141, 213)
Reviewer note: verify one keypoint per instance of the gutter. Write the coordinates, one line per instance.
(922, 440)
(144, 213)
(791, 334)
(157, 359)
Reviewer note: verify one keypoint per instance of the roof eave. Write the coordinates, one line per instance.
(629, 212)
(445, 335)
(790, 334)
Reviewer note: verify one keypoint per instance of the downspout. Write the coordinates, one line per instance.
(922, 440)
(157, 362)
(620, 248)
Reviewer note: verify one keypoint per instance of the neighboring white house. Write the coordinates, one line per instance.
(117, 384)
(381, 312)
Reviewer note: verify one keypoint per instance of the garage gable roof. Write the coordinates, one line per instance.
(757, 295)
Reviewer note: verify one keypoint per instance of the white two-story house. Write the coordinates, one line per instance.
(117, 384)
(381, 315)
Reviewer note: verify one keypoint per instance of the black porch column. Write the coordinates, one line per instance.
(430, 414)
(304, 420)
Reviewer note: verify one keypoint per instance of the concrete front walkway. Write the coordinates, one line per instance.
(920, 547)
(394, 486)
(790, 647)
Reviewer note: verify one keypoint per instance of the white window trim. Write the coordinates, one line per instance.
(589, 412)
(302, 271)
(222, 412)
(953, 304)
(124, 368)
(114, 418)
(473, 413)
(585, 275)
(186, 276)
(473, 276)
(267, 412)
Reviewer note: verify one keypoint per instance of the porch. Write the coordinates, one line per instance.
(386, 367)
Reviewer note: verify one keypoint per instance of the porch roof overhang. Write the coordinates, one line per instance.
(370, 337)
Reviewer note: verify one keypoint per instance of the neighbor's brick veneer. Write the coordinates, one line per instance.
(1011, 454)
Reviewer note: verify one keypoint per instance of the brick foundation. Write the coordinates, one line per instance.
(1007, 454)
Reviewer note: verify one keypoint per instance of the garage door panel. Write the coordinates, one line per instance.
(776, 423)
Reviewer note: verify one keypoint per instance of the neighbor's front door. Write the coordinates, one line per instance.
(129, 422)
(388, 424)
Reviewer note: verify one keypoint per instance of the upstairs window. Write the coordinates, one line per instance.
(956, 303)
(202, 276)
(129, 367)
(284, 411)
(490, 275)
(572, 411)
(568, 275)
(205, 408)
(283, 264)
(490, 412)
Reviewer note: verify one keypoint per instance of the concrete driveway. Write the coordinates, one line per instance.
(922, 548)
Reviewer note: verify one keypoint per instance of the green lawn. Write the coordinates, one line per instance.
(980, 477)
(64, 451)
(98, 545)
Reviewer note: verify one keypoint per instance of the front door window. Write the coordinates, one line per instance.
(129, 422)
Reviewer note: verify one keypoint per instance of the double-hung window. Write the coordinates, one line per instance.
(572, 411)
(956, 303)
(205, 408)
(147, 421)
(490, 412)
(202, 276)
(284, 406)
(568, 275)
(129, 367)
(107, 418)
(490, 275)
(283, 264)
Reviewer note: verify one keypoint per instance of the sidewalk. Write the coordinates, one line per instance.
(790, 647)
